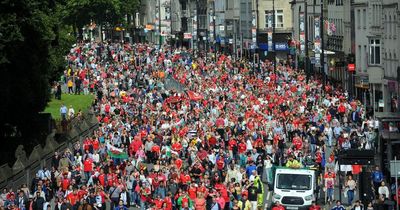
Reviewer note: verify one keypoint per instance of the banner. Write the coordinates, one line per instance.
(317, 41)
(269, 30)
(254, 32)
(194, 27)
(302, 34)
(270, 42)
(211, 28)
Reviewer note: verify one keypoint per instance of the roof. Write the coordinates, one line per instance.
(297, 169)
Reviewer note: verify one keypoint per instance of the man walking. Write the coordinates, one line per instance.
(377, 178)
(63, 112)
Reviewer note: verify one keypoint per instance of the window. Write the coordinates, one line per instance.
(294, 182)
(279, 18)
(365, 54)
(373, 14)
(364, 18)
(394, 27)
(266, 19)
(358, 18)
(359, 53)
(374, 52)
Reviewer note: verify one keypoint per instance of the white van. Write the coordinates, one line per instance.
(294, 188)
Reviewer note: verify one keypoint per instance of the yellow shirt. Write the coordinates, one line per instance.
(293, 164)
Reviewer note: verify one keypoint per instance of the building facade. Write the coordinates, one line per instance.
(304, 28)
(377, 47)
(283, 26)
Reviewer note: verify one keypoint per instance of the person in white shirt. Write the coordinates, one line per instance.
(96, 157)
(358, 206)
(71, 112)
(383, 190)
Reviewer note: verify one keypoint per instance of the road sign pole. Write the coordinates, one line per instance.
(397, 185)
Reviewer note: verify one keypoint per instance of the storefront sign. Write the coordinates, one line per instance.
(187, 36)
(281, 46)
(381, 104)
(351, 67)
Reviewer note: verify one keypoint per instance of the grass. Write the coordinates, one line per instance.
(82, 102)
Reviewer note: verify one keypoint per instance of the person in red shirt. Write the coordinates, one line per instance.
(185, 178)
(96, 144)
(82, 192)
(231, 144)
(314, 206)
(158, 202)
(168, 201)
(220, 163)
(177, 147)
(65, 182)
(278, 206)
(86, 144)
(242, 147)
(192, 191)
(102, 178)
(73, 197)
(88, 167)
(135, 145)
(297, 142)
(178, 163)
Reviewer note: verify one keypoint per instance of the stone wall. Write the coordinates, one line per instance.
(25, 168)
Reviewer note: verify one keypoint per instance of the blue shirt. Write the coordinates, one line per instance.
(63, 110)
(338, 208)
(377, 176)
(250, 169)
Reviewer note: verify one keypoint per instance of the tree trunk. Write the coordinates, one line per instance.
(75, 32)
(101, 32)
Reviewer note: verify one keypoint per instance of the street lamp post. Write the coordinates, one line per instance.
(273, 37)
(215, 34)
(306, 40)
(198, 41)
(257, 31)
(322, 43)
(159, 22)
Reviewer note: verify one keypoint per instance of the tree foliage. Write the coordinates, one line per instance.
(79, 13)
(35, 35)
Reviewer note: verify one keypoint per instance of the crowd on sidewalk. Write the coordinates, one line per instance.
(211, 146)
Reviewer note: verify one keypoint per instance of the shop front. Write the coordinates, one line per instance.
(361, 89)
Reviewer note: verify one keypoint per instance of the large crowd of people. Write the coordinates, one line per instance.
(213, 144)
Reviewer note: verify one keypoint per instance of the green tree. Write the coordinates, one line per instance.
(30, 53)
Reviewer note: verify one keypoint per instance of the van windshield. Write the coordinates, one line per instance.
(294, 182)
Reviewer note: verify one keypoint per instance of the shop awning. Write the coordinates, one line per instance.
(362, 86)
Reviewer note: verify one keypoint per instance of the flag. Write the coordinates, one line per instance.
(122, 155)
(116, 152)
(194, 96)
